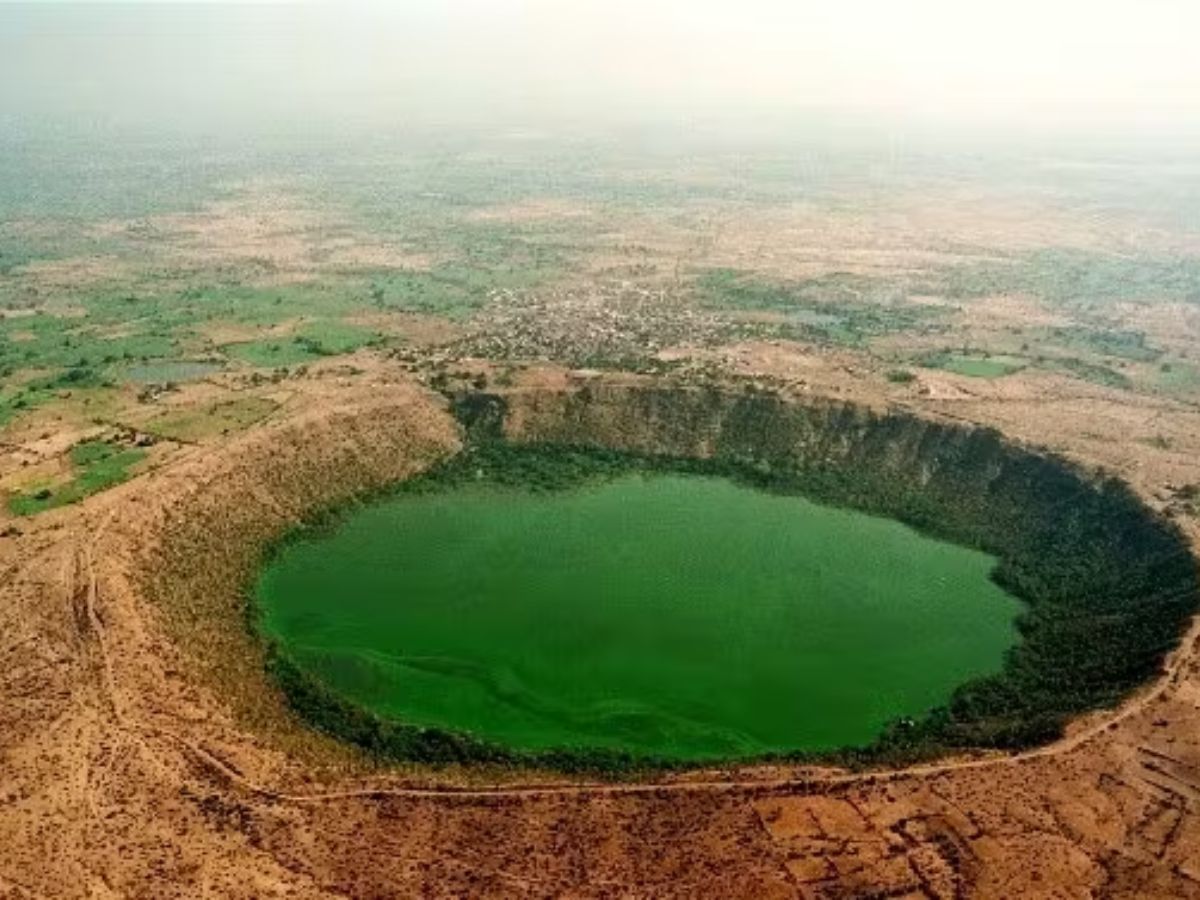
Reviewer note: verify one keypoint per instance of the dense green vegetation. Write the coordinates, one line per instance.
(1109, 587)
(97, 465)
(973, 365)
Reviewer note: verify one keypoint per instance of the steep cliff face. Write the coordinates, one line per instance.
(1109, 584)
(971, 478)
(751, 426)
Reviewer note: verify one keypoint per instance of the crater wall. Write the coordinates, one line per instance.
(1110, 585)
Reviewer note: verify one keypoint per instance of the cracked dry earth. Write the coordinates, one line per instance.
(123, 775)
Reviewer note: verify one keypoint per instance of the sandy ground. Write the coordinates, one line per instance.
(124, 773)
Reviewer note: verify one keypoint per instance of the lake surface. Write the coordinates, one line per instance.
(672, 615)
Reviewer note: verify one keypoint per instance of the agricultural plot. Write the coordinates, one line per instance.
(1079, 279)
(973, 365)
(212, 420)
(838, 309)
(95, 465)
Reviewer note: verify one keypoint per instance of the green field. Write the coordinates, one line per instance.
(974, 366)
(168, 372)
(670, 616)
(840, 309)
(213, 420)
(97, 465)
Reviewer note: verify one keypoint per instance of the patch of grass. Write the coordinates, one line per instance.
(453, 292)
(731, 289)
(840, 308)
(13, 256)
(45, 341)
(167, 371)
(972, 365)
(1090, 372)
(1064, 276)
(97, 464)
(41, 391)
(328, 299)
(331, 338)
(1118, 343)
(312, 341)
(215, 419)
(179, 315)
(1176, 378)
(272, 353)
(478, 259)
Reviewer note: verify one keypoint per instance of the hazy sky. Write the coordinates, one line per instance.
(1129, 63)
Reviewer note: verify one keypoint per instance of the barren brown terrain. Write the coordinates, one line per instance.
(145, 752)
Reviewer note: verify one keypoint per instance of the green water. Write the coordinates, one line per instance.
(670, 615)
